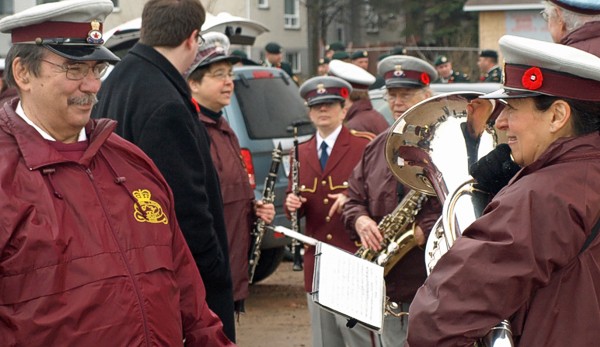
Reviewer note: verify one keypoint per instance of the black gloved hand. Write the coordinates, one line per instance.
(493, 171)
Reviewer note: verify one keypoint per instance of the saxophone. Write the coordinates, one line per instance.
(259, 229)
(398, 232)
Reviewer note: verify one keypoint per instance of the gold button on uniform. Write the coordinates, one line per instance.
(323, 182)
(326, 201)
(329, 236)
(327, 219)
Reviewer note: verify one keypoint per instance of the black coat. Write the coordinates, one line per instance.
(152, 104)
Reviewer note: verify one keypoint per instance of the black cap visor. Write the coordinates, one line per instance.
(399, 83)
(325, 99)
(84, 53)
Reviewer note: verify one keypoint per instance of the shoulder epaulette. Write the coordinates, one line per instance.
(364, 134)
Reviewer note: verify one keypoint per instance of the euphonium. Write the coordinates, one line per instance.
(430, 149)
(398, 232)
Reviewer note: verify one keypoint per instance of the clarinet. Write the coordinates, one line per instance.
(296, 245)
(258, 231)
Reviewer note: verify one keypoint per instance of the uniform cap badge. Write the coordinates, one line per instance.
(398, 71)
(321, 89)
(95, 35)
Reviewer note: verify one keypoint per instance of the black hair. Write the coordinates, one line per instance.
(585, 114)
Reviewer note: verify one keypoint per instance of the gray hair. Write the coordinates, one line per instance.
(573, 20)
(31, 57)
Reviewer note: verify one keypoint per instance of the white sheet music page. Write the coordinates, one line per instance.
(349, 285)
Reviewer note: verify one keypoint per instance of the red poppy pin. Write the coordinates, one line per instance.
(425, 78)
(532, 78)
(344, 93)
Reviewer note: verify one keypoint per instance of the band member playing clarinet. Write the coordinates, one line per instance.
(211, 83)
(327, 159)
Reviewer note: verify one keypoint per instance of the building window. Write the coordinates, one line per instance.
(294, 59)
(292, 14)
(263, 3)
(371, 20)
(115, 4)
(7, 7)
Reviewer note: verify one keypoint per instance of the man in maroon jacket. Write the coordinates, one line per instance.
(374, 192)
(574, 23)
(91, 253)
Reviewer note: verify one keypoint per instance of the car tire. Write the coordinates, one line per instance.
(268, 262)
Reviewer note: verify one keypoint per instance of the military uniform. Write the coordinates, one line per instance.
(455, 77)
(494, 75)
(275, 48)
(374, 192)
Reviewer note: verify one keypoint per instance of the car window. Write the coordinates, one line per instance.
(270, 104)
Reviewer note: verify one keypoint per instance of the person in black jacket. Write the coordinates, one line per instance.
(148, 96)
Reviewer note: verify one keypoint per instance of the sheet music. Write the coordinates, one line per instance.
(349, 285)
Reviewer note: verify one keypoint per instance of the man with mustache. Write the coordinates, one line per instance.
(90, 250)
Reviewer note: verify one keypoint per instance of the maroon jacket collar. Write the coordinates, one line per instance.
(36, 152)
(340, 148)
(357, 107)
(587, 31)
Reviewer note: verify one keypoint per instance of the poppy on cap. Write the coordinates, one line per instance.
(535, 68)
(324, 89)
(273, 48)
(71, 29)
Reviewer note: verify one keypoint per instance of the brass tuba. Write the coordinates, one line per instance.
(430, 149)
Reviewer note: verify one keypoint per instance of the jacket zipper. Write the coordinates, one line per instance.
(122, 253)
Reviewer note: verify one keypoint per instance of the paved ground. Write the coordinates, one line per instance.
(276, 313)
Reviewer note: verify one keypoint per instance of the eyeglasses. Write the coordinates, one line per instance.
(79, 71)
(201, 40)
(404, 96)
(546, 14)
(221, 74)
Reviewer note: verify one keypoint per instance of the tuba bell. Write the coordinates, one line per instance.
(430, 149)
